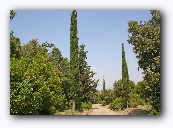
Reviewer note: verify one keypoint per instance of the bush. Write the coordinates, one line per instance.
(103, 102)
(135, 100)
(108, 100)
(86, 105)
(117, 104)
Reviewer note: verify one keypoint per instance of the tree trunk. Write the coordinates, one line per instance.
(73, 107)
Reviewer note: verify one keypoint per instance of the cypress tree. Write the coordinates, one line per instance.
(103, 87)
(74, 64)
(125, 79)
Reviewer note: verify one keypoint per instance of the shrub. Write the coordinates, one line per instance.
(135, 100)
(86, 105)
(103, 102)
(108, 100)
(117, 104)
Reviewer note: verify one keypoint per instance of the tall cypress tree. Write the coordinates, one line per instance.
(125, 79)
(103, 87)
(74, 63)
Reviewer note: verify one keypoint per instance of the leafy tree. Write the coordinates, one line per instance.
(12, 14)
(56, 57)
(125, 79)
(145, 37)
(87, 85)
(117, 104)
(32, 49)
(62, 64)
(109, 96)
(135, 100)
(140, 89)
(36, 84)
(15, 46)
(74, 63)
(96, 98)
(118, 87)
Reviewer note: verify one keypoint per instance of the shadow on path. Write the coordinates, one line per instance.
(138, 112)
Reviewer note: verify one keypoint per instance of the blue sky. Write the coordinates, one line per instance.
(102, 31)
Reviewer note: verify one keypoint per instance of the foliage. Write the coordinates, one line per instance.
(145, 37)
(117, 104)
(74, 63)
(86, 105)
(135, 100)
(117, 88)
(103, 87)
(56, 57)
(87, 85)
(103, 102)
(15, 46)
(140, 89)
(82, 86)
(125, 80)
(34, 87)
(108, 96)
(100, 98)
(12, 14)
(33, 49)
(96, 97)
(63, 65)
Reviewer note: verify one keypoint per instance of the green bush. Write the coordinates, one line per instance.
(117, 104)
(103, 102)
(108, 100)
(135, 100)
(86, 105)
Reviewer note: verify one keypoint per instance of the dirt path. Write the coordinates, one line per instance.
(98, 109)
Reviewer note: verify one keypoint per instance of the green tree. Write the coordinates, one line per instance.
(32, 49)
(12, 14)
(34, 85)
(15, 46)
(74, 62)
(140, 89)
(145, 37)
(103, 87)
(62, 64)
(87, 85)
(125, 79)
(117, 88)
(109, 95)
(56, 57)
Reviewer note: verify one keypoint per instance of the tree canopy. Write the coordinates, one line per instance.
(145, 38)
